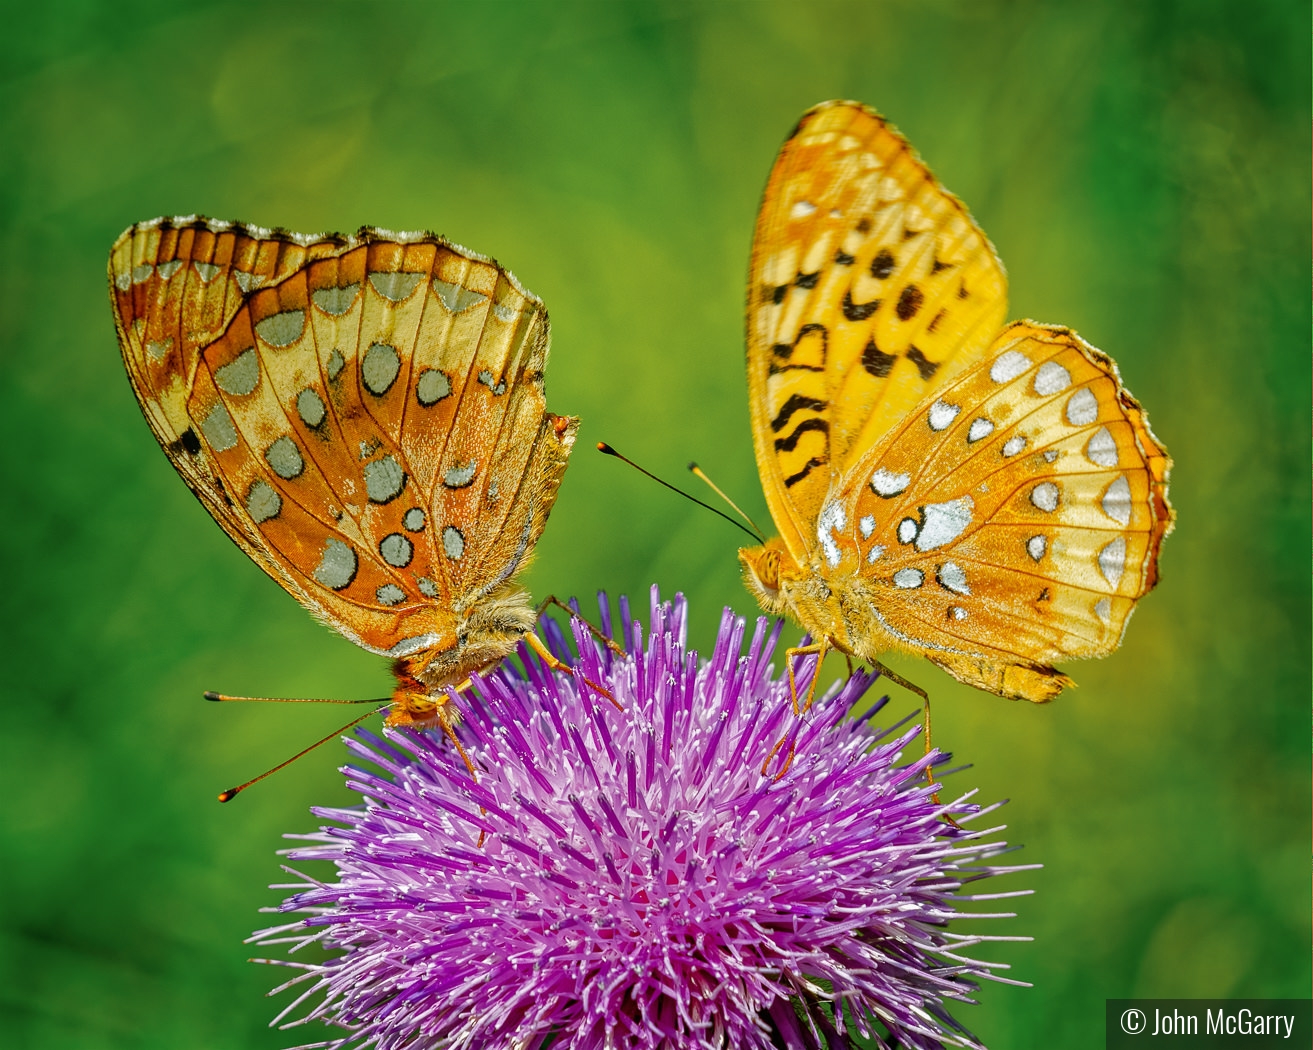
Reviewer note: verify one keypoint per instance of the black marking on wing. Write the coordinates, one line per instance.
(876, 361)
(796, 403)
(934, 323)
(793, 479)
(842, 258)
(807, 280)
(788, 444)
(189, 442)
(219, 488)
(925, 367)
(909, 302)
(777, 293)
(858, 311)
(784, 351)
(938, 266)
(883, 264)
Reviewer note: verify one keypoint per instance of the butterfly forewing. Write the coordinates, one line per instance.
(870, 287)
(364, 415)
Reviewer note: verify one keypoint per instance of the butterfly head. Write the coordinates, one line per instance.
(766, 572)
(414, 703)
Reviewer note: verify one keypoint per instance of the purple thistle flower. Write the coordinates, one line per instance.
(632, 879)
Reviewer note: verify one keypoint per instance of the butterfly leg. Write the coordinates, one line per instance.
(533, 642)
(822, 648)
(447, 721)
(912, 687)
(551, 599)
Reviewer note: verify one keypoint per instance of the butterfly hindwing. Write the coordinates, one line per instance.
(1013, 520)
(364, 415)
(870, 286)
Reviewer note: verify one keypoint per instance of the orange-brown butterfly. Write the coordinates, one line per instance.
(364, 415)
(989, 497)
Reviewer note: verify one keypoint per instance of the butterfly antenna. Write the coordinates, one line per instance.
(607, 450)
(225, 698)
(698, 472)
(231, 793)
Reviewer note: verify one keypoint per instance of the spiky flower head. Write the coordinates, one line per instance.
(632, 878)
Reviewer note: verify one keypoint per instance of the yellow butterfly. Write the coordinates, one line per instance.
(989, 497)
(364, 415)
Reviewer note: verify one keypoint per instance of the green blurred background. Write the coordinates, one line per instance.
(1143, 169)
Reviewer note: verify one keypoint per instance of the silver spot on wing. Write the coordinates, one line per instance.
(262, 502)
(1116, 502)
(240, 375)
(432, 387)
(887, 484)
(1044, 496)
(952, 578)
(942, 414)
(335, 301)
(337, 565)
(379, 368)
(1101, 450)
(460, 477)
(1112, 561)
(384, 479)
(310, 407)
(944, 522)
(455, 298)
(1008, 366)
(394, 286)
(396, 550)
(218, 429)
(1051, 378)
(1082, 408)
(284, 458)
(980, 428)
